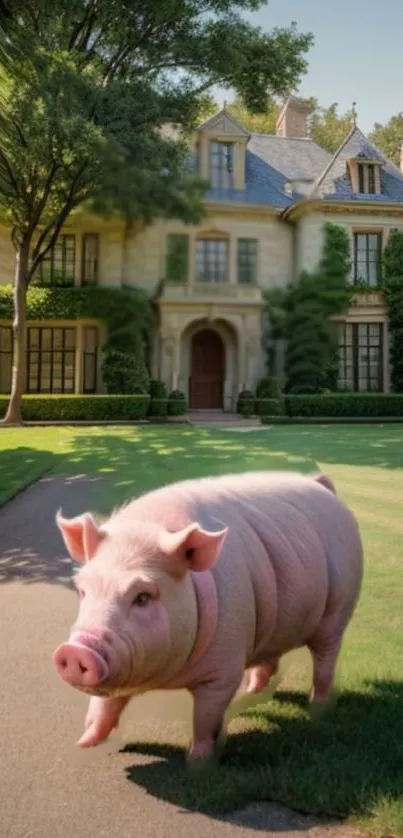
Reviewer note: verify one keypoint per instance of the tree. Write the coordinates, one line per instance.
(84, 109)
(388, 138)
(256, 123)
(393, 279)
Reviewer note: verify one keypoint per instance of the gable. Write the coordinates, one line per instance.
(223, 124)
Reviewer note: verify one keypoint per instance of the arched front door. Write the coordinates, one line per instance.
(207, 373)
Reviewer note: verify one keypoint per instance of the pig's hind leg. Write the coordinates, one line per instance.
(325, 649)
(102, 717)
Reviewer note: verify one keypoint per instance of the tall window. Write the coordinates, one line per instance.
(247, 261)
(222, 161)
(212, 260)
(90, 257)
(90, 359)
(6, 355)
(51, 354)
(361, 357)
(366, 179)
(58, 266)
(367, 258)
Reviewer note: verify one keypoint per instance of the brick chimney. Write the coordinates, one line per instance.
(293, 119)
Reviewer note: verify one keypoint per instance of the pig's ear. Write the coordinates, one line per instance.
(81, 535)
(194, 547)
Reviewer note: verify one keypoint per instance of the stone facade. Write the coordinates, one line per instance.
(270, 202)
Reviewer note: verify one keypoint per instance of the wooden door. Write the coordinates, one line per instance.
(207, 371)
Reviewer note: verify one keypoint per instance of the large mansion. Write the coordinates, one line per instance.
(268, 201)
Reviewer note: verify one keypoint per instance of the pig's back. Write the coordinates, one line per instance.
(293, 549)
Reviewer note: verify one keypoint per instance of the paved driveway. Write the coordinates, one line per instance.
(48, 788)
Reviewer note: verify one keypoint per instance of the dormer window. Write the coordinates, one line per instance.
(221, 164)
(366, 179)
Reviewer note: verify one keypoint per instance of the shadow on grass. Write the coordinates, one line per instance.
(336, 767)
(118, 465)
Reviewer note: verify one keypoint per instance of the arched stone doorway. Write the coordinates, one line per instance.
(207, 371)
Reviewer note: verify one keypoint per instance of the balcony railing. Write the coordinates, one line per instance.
(201, 291)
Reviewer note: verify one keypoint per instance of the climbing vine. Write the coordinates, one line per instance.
(301, 317)
(393, 285)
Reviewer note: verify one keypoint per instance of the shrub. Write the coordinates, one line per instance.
(124, 373)
(269, 407)
(177, 404)
(345, 404)
(158, 408)
(246, 403)
(158, 389)
(74, 408)
(267, 388)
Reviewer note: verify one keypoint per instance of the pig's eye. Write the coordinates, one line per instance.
(81, 593)
(141, 600)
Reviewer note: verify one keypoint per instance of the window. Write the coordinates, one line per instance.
(367, 258)
(177, 258)
(89, 268)
(51, 355)
(58, 266)
(366, 179)
(222, 159)
(211, 260)
(361, 357)
(247, 261)
(6, 356)
(90, 359)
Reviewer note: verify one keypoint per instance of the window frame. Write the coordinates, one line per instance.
(40, 351)
(221, 175)
(357, 234)
(63, 239)
(206, 243)
(355, 345)
(87, 237)
(5, 353)
(251, 243)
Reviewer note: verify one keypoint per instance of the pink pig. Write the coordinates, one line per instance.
(205, 584)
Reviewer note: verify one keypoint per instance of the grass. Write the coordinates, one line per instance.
(347, 763)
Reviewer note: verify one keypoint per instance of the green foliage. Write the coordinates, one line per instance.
(124, 373)
(269, 406)
(388, 138)
(301, 314)
(158, 408)
(177, 258)
(393, 285)
(267, 388)
(245, 405)
(177, 404)
(345, 404)
(62, 408)
(125, 311)
(158, 389)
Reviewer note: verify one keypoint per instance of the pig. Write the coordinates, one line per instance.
(204, 585)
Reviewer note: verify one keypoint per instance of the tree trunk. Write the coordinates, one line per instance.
(13, 415)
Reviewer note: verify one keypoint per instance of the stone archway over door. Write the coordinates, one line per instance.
(207, 371)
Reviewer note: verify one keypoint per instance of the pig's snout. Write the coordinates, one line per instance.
(79, 665)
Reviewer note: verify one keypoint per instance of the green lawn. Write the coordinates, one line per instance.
(349, 761)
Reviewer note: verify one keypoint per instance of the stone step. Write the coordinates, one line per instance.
(221, 419)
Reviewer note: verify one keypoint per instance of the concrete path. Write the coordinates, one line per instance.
(47, 786)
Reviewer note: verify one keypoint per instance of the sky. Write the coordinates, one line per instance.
(357, 55)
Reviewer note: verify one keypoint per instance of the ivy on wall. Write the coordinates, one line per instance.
(126, 311)
(393, 285)
(301, 316)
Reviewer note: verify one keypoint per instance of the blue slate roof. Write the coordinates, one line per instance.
(335, 184)
(275, 164)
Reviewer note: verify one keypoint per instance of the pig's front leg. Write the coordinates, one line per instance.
(102, 717)
(210, 703)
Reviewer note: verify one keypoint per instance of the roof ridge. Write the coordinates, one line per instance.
(336, 154)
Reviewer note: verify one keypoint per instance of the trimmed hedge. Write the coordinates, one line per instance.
(269, 407)
(177, 404)
(245, 405)
(345, 404)
(158, 408)
(75, 408)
